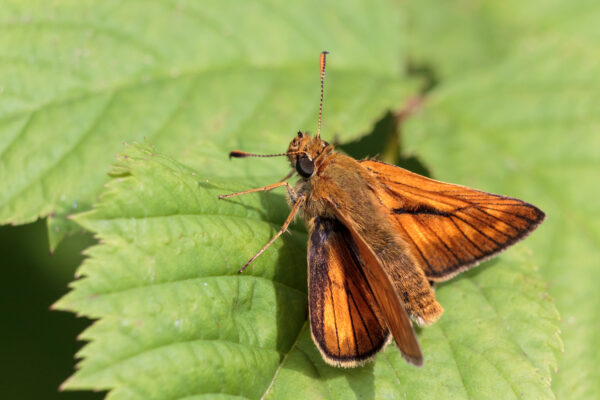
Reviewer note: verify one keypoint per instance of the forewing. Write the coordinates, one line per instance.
(344, 317)
(391, 307)
(450, 227)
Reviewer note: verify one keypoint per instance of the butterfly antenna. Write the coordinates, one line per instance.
(243, 154)
(322, 63)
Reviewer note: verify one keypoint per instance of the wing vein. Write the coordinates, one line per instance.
(481, 232)
(337, 337)
(484, 222)
(416, 245)
(466, 237)
(351, 318)
(439, 238)
(531, 221)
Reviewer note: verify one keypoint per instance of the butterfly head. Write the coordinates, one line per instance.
(305, 153)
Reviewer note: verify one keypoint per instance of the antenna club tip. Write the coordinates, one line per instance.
(322, 61)
(237, 154)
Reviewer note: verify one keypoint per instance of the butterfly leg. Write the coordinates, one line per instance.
(288, 221)
(272, 186)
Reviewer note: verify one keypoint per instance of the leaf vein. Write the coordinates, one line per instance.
(71, 150)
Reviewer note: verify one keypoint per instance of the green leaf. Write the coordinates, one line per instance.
(529, 128)
(456, 38)
(175, 317)
(176, 320)
(195, 78)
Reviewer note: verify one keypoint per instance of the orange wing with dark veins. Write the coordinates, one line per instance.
(450, 228)
(344, 317)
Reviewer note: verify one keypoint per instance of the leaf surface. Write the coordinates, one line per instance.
(176, 320)
(528, 128)
(453, 39)
(79, 78)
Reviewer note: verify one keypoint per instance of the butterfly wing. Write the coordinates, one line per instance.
(392, 309)
(450, 227)
(345, 319)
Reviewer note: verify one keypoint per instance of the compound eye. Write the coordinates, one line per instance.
(305, 167)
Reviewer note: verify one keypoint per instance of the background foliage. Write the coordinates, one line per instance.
(506, 103)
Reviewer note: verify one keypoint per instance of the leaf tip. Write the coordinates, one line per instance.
(65, 385)
(57, 306)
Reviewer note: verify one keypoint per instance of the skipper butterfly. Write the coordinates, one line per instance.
(378, 235)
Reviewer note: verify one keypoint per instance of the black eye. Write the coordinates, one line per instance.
(305, 167)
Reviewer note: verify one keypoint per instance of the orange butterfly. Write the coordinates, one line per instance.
(378, 234)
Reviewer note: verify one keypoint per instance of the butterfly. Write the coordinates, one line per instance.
(379, 237)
